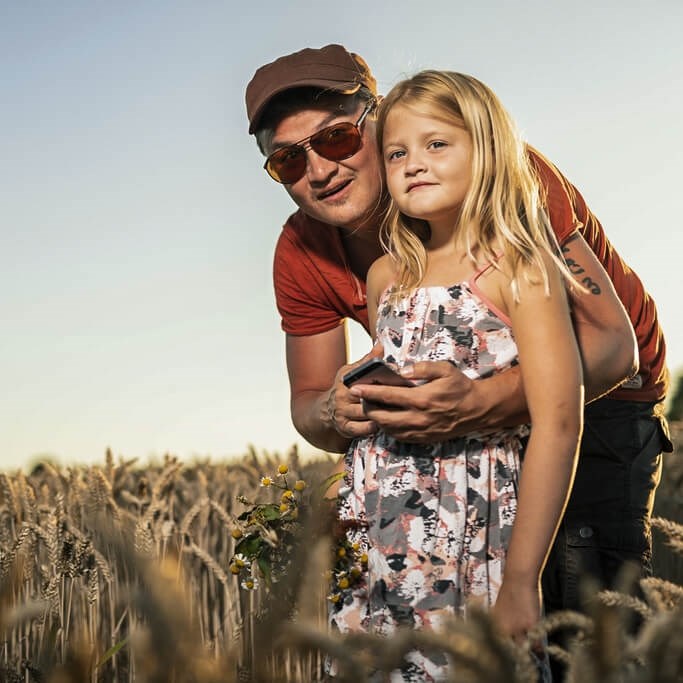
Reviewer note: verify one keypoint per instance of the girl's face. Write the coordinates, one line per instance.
(428, 164)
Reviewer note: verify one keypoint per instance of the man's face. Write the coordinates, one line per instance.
(343, 193)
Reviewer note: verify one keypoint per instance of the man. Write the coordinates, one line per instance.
(312, 114)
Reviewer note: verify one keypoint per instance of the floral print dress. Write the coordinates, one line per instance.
(434, 519)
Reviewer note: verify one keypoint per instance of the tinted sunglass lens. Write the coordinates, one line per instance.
(337, 142)
(287, 165)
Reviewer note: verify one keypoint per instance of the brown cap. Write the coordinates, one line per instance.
(330, 67)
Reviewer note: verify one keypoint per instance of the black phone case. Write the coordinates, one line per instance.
(375, 371)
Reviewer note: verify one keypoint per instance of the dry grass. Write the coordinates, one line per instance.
(121, 573)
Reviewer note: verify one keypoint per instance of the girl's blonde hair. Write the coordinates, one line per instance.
(502, 211)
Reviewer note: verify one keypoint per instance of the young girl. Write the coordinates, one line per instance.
(471, 276)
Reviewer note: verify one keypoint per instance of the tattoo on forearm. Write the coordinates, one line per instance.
(577, 269)
(592, 286)
(574, 267)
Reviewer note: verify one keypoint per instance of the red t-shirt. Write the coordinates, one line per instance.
(315, 290)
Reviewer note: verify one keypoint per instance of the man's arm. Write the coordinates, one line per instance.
(323, 410)
(447, 405)
(450, 405)
(609, 349)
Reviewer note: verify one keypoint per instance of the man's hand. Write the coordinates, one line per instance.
(345, 408)
(444, 404)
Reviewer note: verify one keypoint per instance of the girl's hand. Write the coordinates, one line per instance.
(517, 609)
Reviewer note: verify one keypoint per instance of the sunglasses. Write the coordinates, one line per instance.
(335, 143)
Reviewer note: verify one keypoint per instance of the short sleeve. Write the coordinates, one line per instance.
(301, 301)
(565, 206)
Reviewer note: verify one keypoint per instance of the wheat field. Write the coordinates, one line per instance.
(221, 571)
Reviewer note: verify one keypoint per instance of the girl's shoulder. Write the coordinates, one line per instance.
(382, 272)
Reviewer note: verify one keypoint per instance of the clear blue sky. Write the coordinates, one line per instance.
(138, 225)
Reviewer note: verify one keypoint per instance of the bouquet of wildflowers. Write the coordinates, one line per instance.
(268, 534)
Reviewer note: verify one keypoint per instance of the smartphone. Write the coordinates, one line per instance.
(375, 371)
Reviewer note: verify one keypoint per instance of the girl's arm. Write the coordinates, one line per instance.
(551, 370)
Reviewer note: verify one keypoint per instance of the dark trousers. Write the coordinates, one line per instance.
(607, 520)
